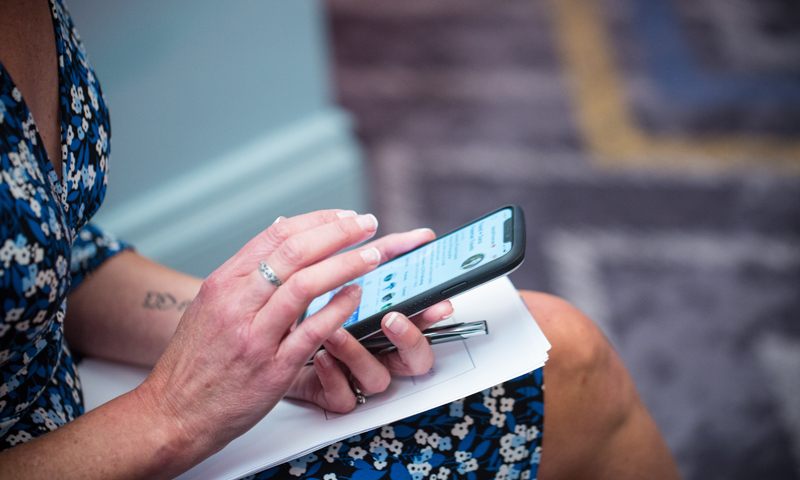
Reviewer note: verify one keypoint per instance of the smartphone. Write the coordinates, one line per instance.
(480, 251)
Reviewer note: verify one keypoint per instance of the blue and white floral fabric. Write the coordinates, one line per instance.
(42, 225)
(493, 434)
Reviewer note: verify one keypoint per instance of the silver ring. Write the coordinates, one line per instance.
(269, 274)
(361, 399)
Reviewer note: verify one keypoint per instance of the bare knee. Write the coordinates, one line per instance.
(579, 349)
(589, 394)
(595, 425)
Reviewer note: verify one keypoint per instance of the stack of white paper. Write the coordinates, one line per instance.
(515, 345)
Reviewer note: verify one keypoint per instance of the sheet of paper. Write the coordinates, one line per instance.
(515, 345)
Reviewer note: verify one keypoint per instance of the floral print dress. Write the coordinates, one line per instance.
(47, 248)
(493, 434)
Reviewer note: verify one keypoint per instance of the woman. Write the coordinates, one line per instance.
(224, 349)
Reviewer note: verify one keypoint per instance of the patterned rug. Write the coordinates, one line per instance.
(655, 148)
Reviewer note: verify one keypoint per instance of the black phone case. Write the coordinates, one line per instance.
(469, 280)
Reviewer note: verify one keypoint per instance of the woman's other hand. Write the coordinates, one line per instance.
(345, 364)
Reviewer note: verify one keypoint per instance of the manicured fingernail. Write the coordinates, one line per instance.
(278, 220)
(367, 222)
(370, 255)
(346, 213)
(396, 324)
(338, 337)
(325, 359)
(354, 289)
(423, 230)
(446, 317)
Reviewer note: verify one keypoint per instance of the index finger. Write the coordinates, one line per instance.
(272, 237)
(396, 244)
(320, 243)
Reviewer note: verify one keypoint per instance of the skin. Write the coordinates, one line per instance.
(28, 53)
(595, 424)
(225, 349)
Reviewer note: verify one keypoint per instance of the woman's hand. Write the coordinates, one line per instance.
(234, 355)
(235, 352)
(329, 383)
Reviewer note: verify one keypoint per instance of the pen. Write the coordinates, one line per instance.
(435, 335)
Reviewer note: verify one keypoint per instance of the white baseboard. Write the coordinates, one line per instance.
(196, 222)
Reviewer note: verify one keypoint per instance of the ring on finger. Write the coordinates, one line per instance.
(270, 275)
(361, 398)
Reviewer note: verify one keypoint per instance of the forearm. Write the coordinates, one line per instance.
(124, 438)
(127, 310)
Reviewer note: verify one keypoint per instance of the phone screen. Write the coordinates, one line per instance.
(432, 264)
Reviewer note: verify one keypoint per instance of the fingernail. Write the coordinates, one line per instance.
(325, 359)
(370, 255)
(396, 324)
(354, 289)
(338, 337)
(367, 222)
(423, 230)
(278, 220)
(346, 213)
(446, 317)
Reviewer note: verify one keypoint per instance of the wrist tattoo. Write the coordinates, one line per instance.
(164, 301)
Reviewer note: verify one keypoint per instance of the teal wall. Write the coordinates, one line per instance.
(188, 85)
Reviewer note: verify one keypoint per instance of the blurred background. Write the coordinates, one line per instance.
(653, 144)
(655, 148)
